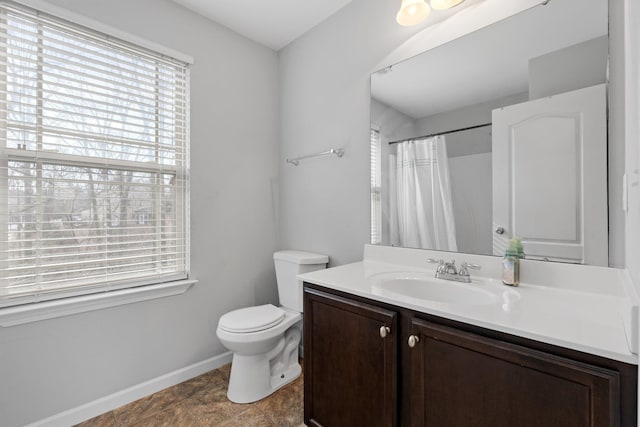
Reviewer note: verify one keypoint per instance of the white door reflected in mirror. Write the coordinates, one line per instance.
(549, 176)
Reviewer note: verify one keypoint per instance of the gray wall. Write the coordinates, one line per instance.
(50, 366)
(616, 147)
(324, 103)
(571, 68)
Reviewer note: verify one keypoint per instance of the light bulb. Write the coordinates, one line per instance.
(412, 12)
(444, 4)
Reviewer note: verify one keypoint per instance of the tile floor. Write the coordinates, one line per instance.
(202, 401)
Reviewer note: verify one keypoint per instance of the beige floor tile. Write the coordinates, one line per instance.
(145, 407)
(284, 407)
(176, 416)
(188, 388)
(211, 406)
(251, 417)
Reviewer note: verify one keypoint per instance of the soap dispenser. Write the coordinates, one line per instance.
(511, 263)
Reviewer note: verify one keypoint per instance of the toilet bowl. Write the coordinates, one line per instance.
(264, 339)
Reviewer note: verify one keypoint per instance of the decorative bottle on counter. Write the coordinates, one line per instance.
(511, 265)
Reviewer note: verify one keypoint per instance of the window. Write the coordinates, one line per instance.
(93, 161)
(376, 206)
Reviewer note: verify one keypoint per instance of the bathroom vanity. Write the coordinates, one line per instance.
(530, 356)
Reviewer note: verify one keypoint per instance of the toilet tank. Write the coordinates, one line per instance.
(289, 264)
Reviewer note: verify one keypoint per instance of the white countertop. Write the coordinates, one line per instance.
(586, 321)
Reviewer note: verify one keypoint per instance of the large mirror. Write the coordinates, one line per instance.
(501, 133)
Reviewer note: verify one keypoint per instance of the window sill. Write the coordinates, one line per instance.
(35, 312)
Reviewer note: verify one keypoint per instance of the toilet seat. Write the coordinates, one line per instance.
(251, 319)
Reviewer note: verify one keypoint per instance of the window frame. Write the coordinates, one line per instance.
(37, 306)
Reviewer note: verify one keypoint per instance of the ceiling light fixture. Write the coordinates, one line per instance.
(444, 4)
(413, 12)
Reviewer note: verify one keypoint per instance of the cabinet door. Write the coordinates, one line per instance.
(461, 379)
(349, 362)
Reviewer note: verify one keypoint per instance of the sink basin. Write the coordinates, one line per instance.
(410, 287)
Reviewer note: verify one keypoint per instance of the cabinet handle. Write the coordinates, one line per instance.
(384, 331)
(413, 340)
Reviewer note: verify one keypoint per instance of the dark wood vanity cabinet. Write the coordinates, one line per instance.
(430, 371)
(350, 352)
(464, 379)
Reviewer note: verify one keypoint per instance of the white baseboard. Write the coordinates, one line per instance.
(105, 404)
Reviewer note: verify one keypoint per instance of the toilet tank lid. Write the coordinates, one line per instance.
(301, 257)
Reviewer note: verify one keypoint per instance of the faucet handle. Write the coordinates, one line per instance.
(464, 268)
(440, 263)
(471, 265)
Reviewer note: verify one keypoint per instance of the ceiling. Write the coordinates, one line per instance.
(488, 64)
(273, 23)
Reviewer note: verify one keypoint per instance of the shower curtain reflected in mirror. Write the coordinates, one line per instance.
(421, 208)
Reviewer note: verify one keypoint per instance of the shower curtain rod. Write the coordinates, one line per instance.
(442, 133)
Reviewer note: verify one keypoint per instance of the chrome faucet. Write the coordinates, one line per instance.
(450, 267)
(449, 271)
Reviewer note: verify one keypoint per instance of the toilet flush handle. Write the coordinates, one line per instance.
(384, 331)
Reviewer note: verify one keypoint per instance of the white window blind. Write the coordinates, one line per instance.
(93, 164)
(376, 206)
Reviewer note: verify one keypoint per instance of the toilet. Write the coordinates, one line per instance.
(264, 339)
